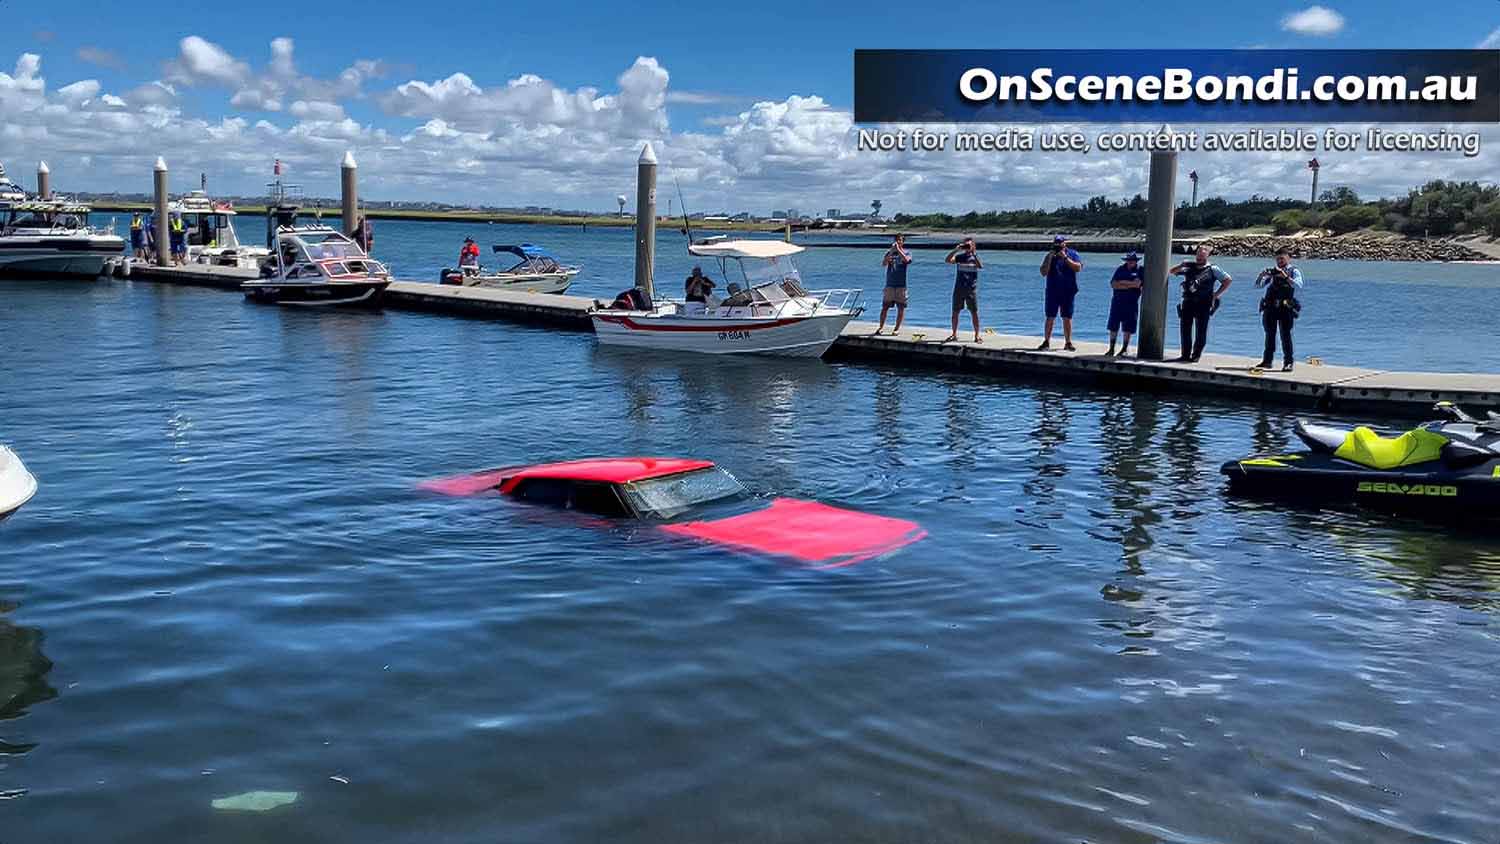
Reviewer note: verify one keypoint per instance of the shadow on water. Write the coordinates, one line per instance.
(23, 676)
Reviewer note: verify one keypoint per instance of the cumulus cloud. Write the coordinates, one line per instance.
(529, 140)
(1314, 20)
(200, 61)
(1491, 41)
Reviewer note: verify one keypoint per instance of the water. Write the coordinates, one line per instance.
(228, 583)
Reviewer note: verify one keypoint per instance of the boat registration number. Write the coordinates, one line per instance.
(734, 335)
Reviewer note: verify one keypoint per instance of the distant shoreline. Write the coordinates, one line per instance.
(498, 218)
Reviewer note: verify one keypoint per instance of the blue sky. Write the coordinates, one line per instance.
(754, 90)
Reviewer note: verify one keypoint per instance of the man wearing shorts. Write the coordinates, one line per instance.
(965, 284)
(1060, 268)
(1125, 301)
(895, 261)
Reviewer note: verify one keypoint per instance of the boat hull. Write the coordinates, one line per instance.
(78, 257)
(801, 336)
(519, 282)
(328, 294)
(17, 485)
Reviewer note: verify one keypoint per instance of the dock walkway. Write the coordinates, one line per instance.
(1004, 355)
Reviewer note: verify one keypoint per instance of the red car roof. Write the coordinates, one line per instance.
(610, 470)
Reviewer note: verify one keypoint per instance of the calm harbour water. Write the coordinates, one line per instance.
(228, 583)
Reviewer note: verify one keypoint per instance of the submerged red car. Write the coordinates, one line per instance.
(695, 499)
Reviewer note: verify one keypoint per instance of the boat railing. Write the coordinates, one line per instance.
(840, 299)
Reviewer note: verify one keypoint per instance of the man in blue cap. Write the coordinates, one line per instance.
(1060, 268)
(1125, 302)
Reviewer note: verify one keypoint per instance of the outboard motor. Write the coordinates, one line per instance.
(450, 276)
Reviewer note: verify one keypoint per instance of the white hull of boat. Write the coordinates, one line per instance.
(43, 259)
(16, 484)
(243, 258)
(526, 283)
(800, 336)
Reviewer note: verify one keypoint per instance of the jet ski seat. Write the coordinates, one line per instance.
(1367, 448)
(1321, 438)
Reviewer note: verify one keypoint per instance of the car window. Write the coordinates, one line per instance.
(672, 495)
(599, 499)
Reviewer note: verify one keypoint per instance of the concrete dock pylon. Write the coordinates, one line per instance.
(163, 240)
(349, 191)
(1162, 197)
(645, 221)
(43, 181)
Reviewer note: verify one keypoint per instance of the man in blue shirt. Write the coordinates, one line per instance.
(1060, 268)
(895, 261)
(965, 284)
(1280, 307)
(1125, 302)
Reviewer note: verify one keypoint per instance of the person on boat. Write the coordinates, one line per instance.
(1125, 301)
(895, 261)
(468, 257)
(965, 284)
(1060, 268)
(364, 234)
(137, 235)
(698, 287)
(1200, 298)
(1280, 308)
(177, 235)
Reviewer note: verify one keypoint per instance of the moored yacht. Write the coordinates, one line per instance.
(211, 238)
(765, 310)
(315, 265)
(52, 237)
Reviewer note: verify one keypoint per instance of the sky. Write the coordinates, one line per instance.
(748, 105)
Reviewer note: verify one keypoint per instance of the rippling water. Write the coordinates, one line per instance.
(228, 583)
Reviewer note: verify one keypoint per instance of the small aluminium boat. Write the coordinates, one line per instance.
(314, 265)
(537, 272)
(16, 484)
(765, 310)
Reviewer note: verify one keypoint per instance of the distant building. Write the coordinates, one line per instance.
(833, 213)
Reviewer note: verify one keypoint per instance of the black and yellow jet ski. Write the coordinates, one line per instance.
(1449, 467)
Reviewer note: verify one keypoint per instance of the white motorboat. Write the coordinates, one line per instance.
(16, 484)
(537, 272)
(211, 238)
(314, 265)
(51, 237)
(766, 310)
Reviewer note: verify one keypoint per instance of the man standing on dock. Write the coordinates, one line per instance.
(965, 284)
(895, 261)
(1280, 308)
(1199, 301)
(1125, 301)
(1060, 269)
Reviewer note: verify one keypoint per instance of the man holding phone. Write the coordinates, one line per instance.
(895, 261)
(965, 284)
(1060, 268)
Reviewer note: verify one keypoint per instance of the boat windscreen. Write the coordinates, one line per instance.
(672, 495)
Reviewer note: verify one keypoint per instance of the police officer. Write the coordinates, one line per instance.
(1199, 301)
(1280, 307)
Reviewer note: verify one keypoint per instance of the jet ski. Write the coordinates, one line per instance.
(1448, 468)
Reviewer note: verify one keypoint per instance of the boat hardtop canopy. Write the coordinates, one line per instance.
(524, 251)
(197, 202)
(760, 249)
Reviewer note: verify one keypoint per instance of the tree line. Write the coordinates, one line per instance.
(1437, 209)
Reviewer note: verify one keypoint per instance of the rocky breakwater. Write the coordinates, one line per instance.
(1355, 246)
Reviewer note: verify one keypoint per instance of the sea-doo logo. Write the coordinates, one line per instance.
(1409, 489)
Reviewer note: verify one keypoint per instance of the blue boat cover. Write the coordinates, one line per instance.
(525, 250)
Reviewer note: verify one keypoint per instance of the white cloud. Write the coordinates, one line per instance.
(1314, 20)
(1490, 41)
(531, 141)
(199, 60)
(316, 110)
(701, 98)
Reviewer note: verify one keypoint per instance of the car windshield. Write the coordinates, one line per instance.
(671, 495)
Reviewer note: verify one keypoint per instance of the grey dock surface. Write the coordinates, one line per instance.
(1327, 387)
